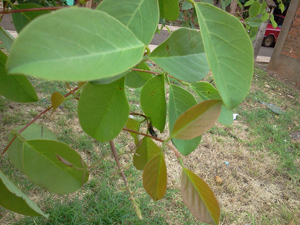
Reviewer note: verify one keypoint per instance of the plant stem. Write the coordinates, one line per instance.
(146, 135)
(32, 121)
(174, 150)
(145, 71)
(34, 9)
(138, 114)
(99, 160)
(135, 205)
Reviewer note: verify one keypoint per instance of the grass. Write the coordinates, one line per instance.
(260, 184)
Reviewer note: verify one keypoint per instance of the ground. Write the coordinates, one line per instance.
(252, 165)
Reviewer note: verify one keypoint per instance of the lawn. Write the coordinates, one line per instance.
(252, 165)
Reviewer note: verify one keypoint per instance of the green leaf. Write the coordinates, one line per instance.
(225, 3)
(281, 7)
(109, 79)
(57, 99)
(136, 79)
(182, 55)
(140, 16)
(273, 22)
(153, 101)
(144, 153)
(264, 17)
(254, 21)
(254, 9)
(15, 87)
(199, 198)
(21, 19)
(206, 91)
(15, 200)
(250, 2)
(80, 45)
(155, 177)
(133, 124)
(197, 120)
(229, 53)
(263, 7)
(186, 5)
(6, 38)
(226, 116)
(180, 101)
(169, 9)
(52, 165)
(103, 110)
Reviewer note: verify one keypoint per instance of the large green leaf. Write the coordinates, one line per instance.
(136, 79)
(6, 38)
(169, 9)
(52, 165)
(182, 55)
(103, 110)
(146, 151)
(180, 101)
(140, 16)
(155, 177)
(33, 132)
(206, 92)
(229, 52)
(15, 87)
(199, 198)
(21, 19)
(81, 44)
(197, 120)
(153, 101)
(15, 200)
(133, 124)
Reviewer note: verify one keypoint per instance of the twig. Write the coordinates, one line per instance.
(138, 114)
(4, 7)
(146, 135)
(99, 160)
(135, 205)
(32, 121)
(34, 9)
(173, 149)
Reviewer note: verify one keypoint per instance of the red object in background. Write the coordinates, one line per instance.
(272, 33)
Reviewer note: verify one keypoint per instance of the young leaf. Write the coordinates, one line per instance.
(145, 152)
(52, 165)
(206, 92)
(250, 2)
(199, 198)
(182, 55)
(21, 19)
(58, 58)
(254, 21)
(263, 7)
(180, 101)
(254, 9)
(155, 177)
(153, 101)
(273, 22)
(103, 110)
(264, 17)
(136, 79)
(169, 9)
(6, 38)
(140, 16)
(229, 52)
(56, 99)
(197, 120)
(133, 124)
(186, 5)
(15, 87)
(15, 200)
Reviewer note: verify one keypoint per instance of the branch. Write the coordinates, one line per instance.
(138, 114)
(34, 9)
(146, 135)
(145, 71)
(135, 205)
(174, 150)
(32, 121)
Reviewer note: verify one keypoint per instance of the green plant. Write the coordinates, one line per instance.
(105, 51)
